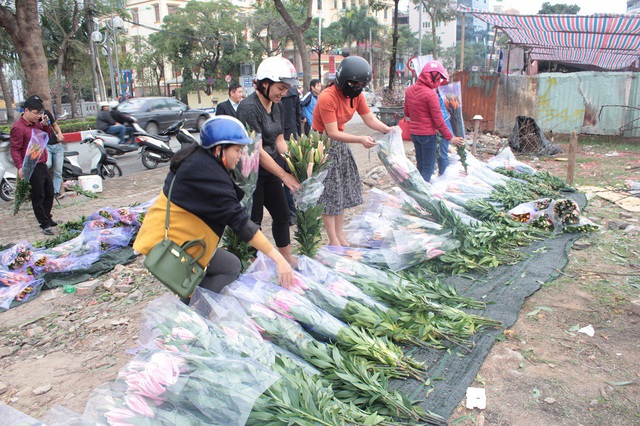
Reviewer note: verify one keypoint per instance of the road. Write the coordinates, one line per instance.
(130, 163)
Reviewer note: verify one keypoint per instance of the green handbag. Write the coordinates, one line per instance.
(172, 265)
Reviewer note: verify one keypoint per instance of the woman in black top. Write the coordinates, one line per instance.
(262, 112)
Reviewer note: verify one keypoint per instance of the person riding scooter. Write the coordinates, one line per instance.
(107, 122)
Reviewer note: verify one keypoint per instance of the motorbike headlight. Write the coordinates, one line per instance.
(98, 142)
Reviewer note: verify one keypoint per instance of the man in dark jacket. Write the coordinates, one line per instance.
(292, 113)
(108, 124)
(41, 184)
(230, 106)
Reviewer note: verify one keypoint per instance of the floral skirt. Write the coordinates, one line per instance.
(342, 187)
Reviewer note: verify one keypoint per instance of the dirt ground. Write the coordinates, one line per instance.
(542, 371)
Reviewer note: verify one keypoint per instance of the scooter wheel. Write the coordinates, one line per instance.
(7, 189)
(109, 171)
(148, 161)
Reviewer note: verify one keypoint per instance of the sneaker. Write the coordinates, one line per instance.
(47, 231)
(53, 223)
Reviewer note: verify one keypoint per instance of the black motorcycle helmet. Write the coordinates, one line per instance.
(353, 69)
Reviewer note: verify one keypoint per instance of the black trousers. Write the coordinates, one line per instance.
(223, 269)
(270, 194)
(42, 194)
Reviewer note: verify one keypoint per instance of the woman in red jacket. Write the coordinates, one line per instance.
(422, 110)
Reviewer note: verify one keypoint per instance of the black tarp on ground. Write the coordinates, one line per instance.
(504, 290)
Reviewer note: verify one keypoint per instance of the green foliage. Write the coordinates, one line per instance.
(21, 194)
(561, 8)
(357, 24)
(69, 230)
(205, 38)
(331, 39)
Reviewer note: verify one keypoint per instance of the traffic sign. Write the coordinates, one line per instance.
(227, 78)
(210, 80)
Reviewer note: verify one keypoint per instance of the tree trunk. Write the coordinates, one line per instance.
(298, 37)
(26, 35)
(59, 72)
(68, 76)
(394, 46)
(8, 95)
(434, 37)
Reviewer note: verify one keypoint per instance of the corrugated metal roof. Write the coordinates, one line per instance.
(609, 42)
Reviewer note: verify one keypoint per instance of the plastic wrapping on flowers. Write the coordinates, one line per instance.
(245, 175)
(179, 388)
(307, 161)
(35, 149)
(317, 321)
(506, 160)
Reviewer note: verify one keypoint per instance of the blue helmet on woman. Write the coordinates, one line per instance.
(223, 130)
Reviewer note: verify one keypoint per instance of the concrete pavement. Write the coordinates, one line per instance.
(124, 191)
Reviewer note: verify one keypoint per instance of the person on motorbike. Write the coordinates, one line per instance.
(108, 124)
(125, 119)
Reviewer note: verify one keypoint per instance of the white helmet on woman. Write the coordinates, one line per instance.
(114, 104)
(277, 69)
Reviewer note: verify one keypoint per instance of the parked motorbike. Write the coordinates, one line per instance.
(112, 144)
(7, 179)
(101, 164)
(155, 149)
(7, 184)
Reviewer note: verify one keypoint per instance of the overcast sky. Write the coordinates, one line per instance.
(587, 7)
(531, 7)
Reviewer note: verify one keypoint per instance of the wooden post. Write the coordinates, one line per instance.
(462, 43)
(571, 166)
(508, 58)
(476, 130)
(495, 34)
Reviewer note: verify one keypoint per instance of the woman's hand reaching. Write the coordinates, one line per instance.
(285, 273)
(457, 140)
(367, 141)
(291, 182)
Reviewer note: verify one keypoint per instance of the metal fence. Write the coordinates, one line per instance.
(600, 103)
(83, 109)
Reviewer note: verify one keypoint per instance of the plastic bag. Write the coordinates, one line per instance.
(335, 283)
(180, 388)
(20, 291)
(18, 257)
(62, 416)
(315, 320)
(506, 160)
(310, 191)
(526, 212)
(119, 236)
(11, 416)
(277, 328)
(227, 313)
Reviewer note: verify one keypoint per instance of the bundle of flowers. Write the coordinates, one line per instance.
(320, 323)
(354, 380)
(35, 149)
(548, 214)
(16, 286)
(426, 319)
(307, 160)
(245, 175)
(18, 257)
(172, 388)
(507, 161)
(300, 392)
(452, 94)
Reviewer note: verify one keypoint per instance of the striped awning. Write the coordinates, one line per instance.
(609, 42)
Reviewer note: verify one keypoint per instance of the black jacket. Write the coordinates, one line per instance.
(225, 108)
(121, 117)
(292, 113)
(104, 119)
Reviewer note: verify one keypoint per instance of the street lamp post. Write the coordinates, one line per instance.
(116, 24)
(320, 45)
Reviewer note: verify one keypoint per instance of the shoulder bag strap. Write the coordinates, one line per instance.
(166, 221)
